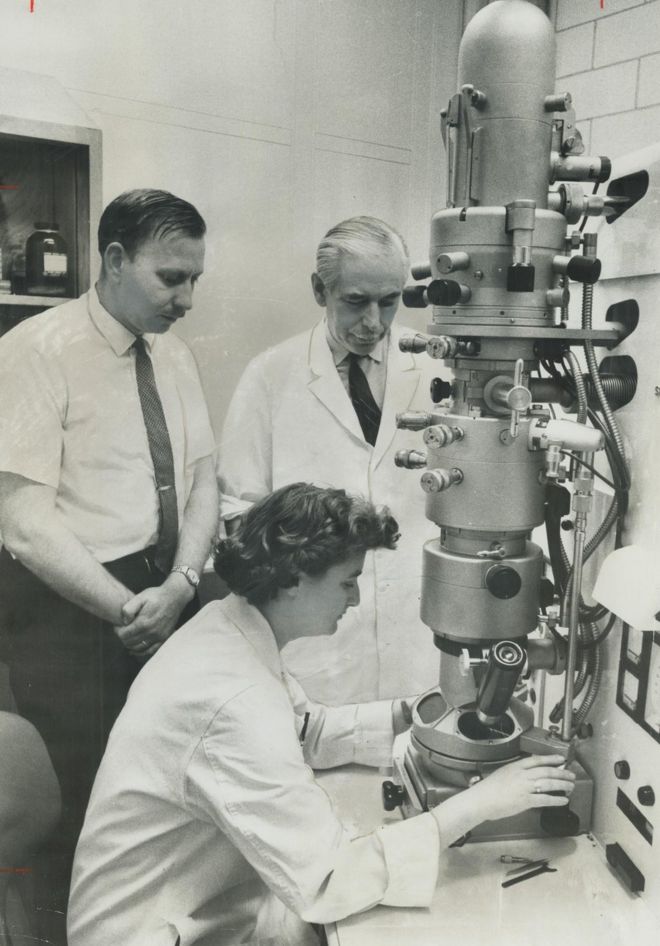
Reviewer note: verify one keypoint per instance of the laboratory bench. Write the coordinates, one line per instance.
(581, 904)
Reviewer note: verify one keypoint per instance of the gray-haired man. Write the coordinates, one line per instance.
(321, 407)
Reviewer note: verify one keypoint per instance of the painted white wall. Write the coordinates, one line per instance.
(276, 118)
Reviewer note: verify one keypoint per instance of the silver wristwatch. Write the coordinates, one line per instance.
(188, 573)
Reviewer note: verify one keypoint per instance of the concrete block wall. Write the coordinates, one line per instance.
(608, 58)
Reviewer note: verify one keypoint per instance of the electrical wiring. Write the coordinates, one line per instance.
(574, 456)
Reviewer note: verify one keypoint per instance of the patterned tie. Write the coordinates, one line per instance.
(367, 410)
(160, 449)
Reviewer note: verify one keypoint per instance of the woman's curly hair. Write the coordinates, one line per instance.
(299, 530)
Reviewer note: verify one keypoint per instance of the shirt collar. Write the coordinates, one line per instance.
(256, 629)
(117, 335)
(340, 352)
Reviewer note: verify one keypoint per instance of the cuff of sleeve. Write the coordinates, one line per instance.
(373, 745)
(231, 506)
(412, 853)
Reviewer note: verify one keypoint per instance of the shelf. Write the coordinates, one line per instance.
(50, 166)
(8, 298)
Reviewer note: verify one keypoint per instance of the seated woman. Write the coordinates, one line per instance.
(206, 825)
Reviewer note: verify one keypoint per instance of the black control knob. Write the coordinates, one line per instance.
(440, 390)
(443, 292)
(622, 769)
(503, 581)
(646, 795)
(414, 297)
(584, 269)
(520, 278)
(393, 795)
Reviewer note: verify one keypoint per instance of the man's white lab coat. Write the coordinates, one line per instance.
(292, 420)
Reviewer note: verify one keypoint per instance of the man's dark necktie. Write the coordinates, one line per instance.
(160, 448)
(367, 410)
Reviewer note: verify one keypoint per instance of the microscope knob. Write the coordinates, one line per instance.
(622, 769)
(503, 581)
(410, 459)
(450, 262)
(520, 278)
(447, 292)
(420, 271)
(440, 390)
(436, 481)
(413, 420)
(646, 795)
(583, 269)
(414, 297)
(393, 795)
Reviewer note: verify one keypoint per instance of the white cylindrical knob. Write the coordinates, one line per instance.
(451, 262)
(410, 459)
(413, 420)
(441, 434)
(435, 481)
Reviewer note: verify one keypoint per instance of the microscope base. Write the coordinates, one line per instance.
(421, 791)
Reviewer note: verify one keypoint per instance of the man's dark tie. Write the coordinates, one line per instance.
(160, 448)
(368, 412)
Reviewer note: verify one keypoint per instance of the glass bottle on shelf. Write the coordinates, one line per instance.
(5, 285)
(16, 269)
(46, 261)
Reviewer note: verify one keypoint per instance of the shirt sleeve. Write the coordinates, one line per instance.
(339, 735)
(32, 411)
(249, 777)
(200, 440)
(245, 457)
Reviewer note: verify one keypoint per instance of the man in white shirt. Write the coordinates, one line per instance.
(322, 407)
(108, 498)
(206, 825)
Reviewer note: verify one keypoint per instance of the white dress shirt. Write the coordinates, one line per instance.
(373, 365)
(206, 822)
(70, 418)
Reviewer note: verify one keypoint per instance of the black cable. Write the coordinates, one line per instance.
(574, 456)
(584, 218)
(595, 641)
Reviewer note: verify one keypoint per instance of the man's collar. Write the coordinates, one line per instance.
(117, 335)
(340, 352)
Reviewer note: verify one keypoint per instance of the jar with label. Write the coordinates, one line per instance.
(46, 261)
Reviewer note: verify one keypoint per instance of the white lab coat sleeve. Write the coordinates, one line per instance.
(338, 735)
(247, 775)
(244, 464)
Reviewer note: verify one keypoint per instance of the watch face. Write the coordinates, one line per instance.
(189, 574)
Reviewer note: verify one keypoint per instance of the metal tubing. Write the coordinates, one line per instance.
(573, 624)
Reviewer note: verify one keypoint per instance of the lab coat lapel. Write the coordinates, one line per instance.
(400, 387)
(325, 384)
